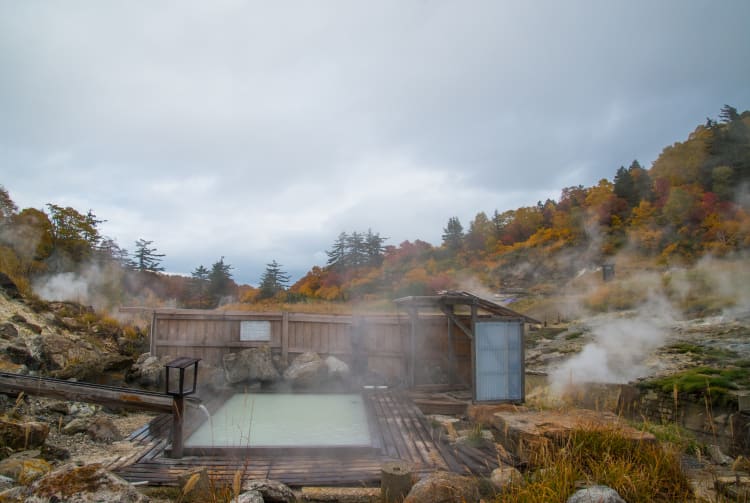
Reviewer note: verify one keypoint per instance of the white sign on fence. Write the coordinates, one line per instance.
(255, 330)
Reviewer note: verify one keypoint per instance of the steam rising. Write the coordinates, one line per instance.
(620, 347)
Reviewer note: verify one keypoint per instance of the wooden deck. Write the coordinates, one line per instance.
(404, 433)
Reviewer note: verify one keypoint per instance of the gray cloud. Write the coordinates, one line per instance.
(260, 131)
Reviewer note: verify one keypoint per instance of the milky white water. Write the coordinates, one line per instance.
(284, 419)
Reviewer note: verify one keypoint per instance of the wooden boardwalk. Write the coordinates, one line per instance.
(404, 434)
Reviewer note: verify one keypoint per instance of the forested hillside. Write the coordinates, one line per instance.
(692, 202)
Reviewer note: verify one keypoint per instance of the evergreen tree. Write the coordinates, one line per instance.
(146, 259)
(453, 234)
(199, 285)
(337, 254)
(374, 248)
(273, 281)
(624, 187)
(220, 280)
(356, 253)
(7, 207)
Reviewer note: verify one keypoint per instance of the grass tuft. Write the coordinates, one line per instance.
(639, 471)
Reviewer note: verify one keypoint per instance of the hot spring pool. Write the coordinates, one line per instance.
(254, 420)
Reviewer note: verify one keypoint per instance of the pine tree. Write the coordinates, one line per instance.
(146, 259)
(220, 280)
(199, 285)
(453, 234)
(337, 254)
(374, 248)
(273, 281)
(356, 255)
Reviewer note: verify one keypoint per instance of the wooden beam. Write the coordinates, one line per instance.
(473, 352)
(111, 396)
(451, 349)
(449, 313)
(285, 338)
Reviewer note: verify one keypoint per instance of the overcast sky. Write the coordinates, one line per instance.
(261, 130)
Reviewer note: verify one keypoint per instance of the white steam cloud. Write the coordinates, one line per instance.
(620, 347)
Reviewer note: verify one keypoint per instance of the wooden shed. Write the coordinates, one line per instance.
(494, 334)
(430, 341)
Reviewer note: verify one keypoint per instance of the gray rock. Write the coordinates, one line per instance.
(596, 494)
(250, 497)
(337, 369)
(271, 490)
(505, 476)
(8, 331)
(76, 425)
(6, 483)
(102, 429)
(444, 487)
(148, 371)
(308, 370)
(84, 484)
(251, 364)
(718, 457)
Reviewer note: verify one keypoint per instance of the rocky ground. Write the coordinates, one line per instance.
(69, 341)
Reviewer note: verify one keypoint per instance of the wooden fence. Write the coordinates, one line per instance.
(381, 340)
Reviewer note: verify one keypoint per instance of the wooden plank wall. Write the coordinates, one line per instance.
(383, 339)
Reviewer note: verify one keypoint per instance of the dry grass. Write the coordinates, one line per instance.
(638, 471)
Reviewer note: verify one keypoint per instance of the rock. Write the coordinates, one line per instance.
(14, 494)
(18, 353)
(82, 409)
(6, 483)
(718, 457)
(8, 331)
(9, 287)
(24, 470)
(444, 487)
(148, 371)
(103, 429)
(306, 371)
(596, 494)
(22, 435)
(77, 425)
(271, 490)
(337, 369)
(84, 484)
(251, 364)
(505, 476)
(250, 497)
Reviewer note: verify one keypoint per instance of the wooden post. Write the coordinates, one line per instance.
(285, 337)
(473, 350)
(451, 349)
(414, 317)
(178, 420)
(395, 481)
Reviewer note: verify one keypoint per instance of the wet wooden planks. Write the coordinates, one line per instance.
(402, 430)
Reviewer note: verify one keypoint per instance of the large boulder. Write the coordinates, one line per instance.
(271, 490)
(148, 371)
(444, 487)
(251, 364)
(337, 369)
(308, 370)
(596, 494)
(84, 484)
(22, 435)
